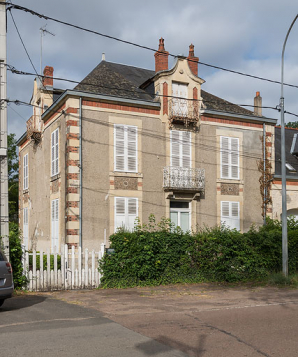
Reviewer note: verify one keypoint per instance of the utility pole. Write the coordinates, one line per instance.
(4, 224)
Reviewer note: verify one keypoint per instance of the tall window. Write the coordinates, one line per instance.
(55, 224)
(126, 211)
(230, 214)
(25, 172)
(125, 148)
(55, 152)
(25, 227)
(229, 157)
(180, 148)
(179, 104)
(180, 214)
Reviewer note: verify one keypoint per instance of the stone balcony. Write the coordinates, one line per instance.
(181, 178)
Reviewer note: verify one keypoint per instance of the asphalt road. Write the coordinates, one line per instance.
(182, 320)
(39, 326)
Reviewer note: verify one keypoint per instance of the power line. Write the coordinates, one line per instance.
(32, 12)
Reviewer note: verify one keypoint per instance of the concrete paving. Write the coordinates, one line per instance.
(194, 320)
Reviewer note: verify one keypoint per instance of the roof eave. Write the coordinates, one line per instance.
(239, 116)
(109, 98)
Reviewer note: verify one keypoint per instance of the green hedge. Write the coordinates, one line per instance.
(45, 261)
(160, 255)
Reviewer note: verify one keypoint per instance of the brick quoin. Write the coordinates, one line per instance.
(72, 136)
(69, 245)
(72, 163)
(72, 232)
(268, 144)
(72, 149)
(72, 204)
(72, 123)
(71, 110)
(71, 218)
(72, 190)
(72, 176)
(165, 98)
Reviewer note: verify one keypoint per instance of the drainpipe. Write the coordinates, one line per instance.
(264, 161)
(80, 166)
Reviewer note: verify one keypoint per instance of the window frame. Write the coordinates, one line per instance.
(230, 157)
(230, 217)
(181, 156)
(55, 152)
(25, 172)
(126, 212)
(126, 148)
(181, 210)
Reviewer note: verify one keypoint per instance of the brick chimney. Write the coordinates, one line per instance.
(192, 60)
(258, 105)
(48, 72)
(161, 57)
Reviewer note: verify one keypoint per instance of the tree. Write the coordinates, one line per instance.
(292, 124)
(13, 177)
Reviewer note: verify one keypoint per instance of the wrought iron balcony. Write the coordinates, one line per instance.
(183, 111)
(181, 178)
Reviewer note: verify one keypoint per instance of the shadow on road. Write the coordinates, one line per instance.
(150, 348)
(21, 302)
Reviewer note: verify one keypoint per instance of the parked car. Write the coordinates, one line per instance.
(6, 280)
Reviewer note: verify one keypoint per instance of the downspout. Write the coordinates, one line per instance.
(80, 166)
(264, 163)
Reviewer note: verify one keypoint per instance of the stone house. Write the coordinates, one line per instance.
(128, 142)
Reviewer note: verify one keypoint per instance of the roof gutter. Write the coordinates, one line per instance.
(239, 116)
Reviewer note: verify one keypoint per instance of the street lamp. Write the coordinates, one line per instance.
(283, 164)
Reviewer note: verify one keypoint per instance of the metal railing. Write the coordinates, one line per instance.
(183, 111)
(183, 178)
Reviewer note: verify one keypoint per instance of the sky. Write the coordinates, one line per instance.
(244, 36)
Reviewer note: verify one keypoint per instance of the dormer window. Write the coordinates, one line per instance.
(179, 100)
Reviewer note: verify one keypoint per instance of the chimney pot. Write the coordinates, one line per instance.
(103, 56)
(48, 72)
(161, 57)
(258, 105)
(192, 60)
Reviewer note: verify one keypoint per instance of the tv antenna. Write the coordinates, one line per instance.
(43, 31)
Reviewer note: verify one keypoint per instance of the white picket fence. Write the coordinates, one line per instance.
(78, 269)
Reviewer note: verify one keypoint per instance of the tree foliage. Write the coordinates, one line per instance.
(292, 124)
(13, 177)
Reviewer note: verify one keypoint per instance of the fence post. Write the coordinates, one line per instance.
(62, 267)
(41, 270)
(86, 267)
(72, 267)
(66, 265)
(55, 268)
(34, 285)
(93, 269)
(48, 269)
(80, 266)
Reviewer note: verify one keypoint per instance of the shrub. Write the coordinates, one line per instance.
(15, 253)
(158, 254)
(45, 261)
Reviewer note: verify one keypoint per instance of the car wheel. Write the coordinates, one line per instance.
(1, 302)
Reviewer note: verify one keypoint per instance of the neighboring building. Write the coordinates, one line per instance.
(128, 142)
(291, 143)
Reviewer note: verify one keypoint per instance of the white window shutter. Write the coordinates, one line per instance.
(126, 211)
(186, 149)
(56, 151)
(224, 151)
(132, 149)
(235, 158)
(55, 223)
(53, 153)
(119, 148)
(229, 157)
(125, 152)
(175, 148)
(25, 172)
(230, 215)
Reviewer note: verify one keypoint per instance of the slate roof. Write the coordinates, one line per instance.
(291, 159)
(124, 81)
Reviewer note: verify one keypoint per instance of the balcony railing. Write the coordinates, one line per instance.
(181, 178)
(33, 131)
(183, 111)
